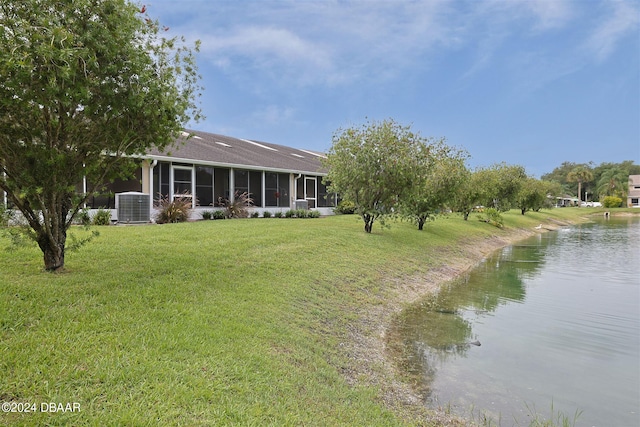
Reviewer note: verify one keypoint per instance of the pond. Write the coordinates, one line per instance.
(557, 317)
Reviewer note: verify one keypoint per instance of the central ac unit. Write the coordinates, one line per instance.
(133, 207)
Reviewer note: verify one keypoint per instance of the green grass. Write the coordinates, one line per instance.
(235, 322)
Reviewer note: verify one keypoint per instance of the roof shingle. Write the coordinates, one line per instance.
(209, 148)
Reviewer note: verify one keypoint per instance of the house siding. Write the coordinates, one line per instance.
(633, 194)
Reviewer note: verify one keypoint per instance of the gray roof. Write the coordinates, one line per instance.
(219, 150)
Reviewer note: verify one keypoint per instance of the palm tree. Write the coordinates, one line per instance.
(613, 182)
(580, 174)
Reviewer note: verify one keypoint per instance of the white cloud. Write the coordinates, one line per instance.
(321, 42)
(550, 14)
(623, 19)
(273, 115)
(265, 45)
(337, 43)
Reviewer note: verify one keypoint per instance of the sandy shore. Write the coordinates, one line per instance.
(366, 346)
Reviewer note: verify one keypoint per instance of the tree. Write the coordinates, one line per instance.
(469, 193)
(613, 182)
(438, 172)
(84, 85)
(533, 194)
(501, 184)
(560, 173)
(372, 166)
(580, 174)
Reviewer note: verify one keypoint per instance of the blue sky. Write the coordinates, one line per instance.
(532, 82)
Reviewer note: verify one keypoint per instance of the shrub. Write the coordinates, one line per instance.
(612, 202)
(83, 217)
(207, 215)
(493, 217)
(266, 214)
(255, 214)
(174, 211)
(301, 213)
(345, 207)
(102, 217)
(278, 214)
(5, 215)
(218, 215)
(238, 208)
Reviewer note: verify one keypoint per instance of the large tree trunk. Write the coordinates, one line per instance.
(421, 222)
(368, 222)
(53, 250)
(53, 237)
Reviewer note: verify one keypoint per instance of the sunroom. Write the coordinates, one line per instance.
(208, 168)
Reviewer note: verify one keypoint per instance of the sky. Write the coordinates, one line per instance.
(531, 82)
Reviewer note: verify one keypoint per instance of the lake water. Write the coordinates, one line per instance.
(558, 320)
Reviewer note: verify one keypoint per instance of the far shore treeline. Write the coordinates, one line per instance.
(383, 169)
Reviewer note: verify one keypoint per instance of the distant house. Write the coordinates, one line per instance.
(565, 201)
(633, 196)
(206, 167)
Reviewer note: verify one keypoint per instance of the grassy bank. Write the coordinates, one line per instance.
(235, 322)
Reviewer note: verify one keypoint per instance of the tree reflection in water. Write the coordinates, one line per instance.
(435, 330)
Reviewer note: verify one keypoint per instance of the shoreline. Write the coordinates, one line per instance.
(368, 348)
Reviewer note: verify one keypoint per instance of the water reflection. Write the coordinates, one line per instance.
(545, 312)
(440, 328)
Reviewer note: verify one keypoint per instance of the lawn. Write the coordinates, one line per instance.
(234, 322)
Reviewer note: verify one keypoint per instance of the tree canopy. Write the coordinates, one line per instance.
(501, 184)
(372, 166)
(595, 188)
(438, 173)
(533, 194)
(83, 84)
(580, 174)
(613, 182)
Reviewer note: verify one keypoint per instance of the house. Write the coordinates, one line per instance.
(562, 202)
(206, 167)
(633, 195)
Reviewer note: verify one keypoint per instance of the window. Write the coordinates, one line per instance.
(300, 188)
(204, 186)
(310, 191)
(105, 194)
(271, 189)
(276, 191)
(325, 199)
(249, 182)
(255, 187)
(181, 180)
(182, 183)
(161, 180)
(241, 181)
(306, 189)
(220, 184)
